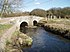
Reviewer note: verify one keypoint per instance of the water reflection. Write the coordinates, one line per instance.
(23, 30)
(23, 27)
(46, 42)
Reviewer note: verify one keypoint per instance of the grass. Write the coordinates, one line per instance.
(13, 45)
(3, 28)
(59, 26)
(64, 21)
(10, 44)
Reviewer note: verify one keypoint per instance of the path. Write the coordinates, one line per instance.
(6, 20)
(6, 35)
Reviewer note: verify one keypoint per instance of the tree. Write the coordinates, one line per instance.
(38, 12)
(62, 12)
(7, 6)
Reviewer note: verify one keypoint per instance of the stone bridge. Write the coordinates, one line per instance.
(17, 22)
(28, 20)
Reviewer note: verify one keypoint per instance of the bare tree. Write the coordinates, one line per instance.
(7, 6)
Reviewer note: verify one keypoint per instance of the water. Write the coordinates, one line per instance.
(46, 42)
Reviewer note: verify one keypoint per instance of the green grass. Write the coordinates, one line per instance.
(60, 21)
(59, 26)
(4, 27)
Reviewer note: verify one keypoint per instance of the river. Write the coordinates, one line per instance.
(46, 42)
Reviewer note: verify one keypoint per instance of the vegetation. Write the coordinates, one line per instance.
(59, 27)
(58, 12)
(62, 12)
(8, 6)
(4, 27)
(16, 14)
(17, 42)
(38, 12)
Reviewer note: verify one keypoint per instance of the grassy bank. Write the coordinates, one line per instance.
(17, 42)
(4, 28)
(59, 26)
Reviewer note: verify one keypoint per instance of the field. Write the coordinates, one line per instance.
(3, 28)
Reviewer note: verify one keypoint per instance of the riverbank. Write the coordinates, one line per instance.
(17, 42)
(59, 26)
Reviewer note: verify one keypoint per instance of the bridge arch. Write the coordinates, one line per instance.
(35, 23)
(29, 21)
(23, 26)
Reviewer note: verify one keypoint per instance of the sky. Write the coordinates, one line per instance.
(29, 5)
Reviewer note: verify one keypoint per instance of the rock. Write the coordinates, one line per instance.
(20, 41)
(24, 40)
(15, 50)
(29, 41)
(67, 35)
(0, 18)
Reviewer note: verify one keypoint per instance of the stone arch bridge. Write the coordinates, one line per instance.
(28, 19)
(16, 21)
